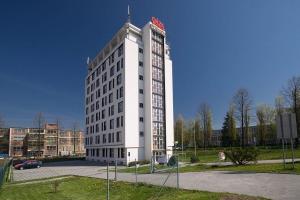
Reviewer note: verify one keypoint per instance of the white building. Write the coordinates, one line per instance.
(129, 97)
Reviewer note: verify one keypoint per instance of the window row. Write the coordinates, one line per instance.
(113, 123)
(102, 67)
(106, 152)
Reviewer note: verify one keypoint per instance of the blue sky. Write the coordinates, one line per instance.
(217, 47)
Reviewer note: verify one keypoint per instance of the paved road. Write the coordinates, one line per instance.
(273, 186)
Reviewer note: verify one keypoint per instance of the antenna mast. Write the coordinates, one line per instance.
(128, 12)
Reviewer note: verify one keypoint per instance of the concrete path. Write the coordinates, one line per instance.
(258, 162)
(272, 186)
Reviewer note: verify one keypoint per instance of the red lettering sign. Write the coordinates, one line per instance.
(158, 23)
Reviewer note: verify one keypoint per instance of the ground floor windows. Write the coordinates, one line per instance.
(106, 152)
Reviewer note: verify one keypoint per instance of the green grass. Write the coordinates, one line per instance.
(255, 168)
(211, 155)
(82, 188)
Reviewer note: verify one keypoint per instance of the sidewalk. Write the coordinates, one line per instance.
(258, 162)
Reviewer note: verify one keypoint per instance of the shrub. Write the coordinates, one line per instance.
(194, 159)
(172, 161)
(242, 156)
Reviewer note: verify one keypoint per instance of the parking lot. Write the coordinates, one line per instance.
(48, 170)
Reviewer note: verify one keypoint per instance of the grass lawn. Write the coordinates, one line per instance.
(257, 168)
(211, 155)
(82, 188)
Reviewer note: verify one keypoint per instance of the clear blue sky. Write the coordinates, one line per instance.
(217, 47)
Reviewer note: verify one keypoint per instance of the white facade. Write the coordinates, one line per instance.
(129, 97)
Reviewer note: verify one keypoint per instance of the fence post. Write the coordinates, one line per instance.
(107, 176)
(116, 165)
(135, 172)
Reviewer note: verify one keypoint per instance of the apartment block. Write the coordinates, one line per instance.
(129, 97)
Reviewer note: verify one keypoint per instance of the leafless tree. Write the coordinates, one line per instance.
(243, 105)
(279, 105)
(75, 127)
(2, 124)
(39, 123)
(205, 115)
(59, 127)
(292, 96)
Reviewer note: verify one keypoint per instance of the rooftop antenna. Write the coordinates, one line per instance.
(128, 13)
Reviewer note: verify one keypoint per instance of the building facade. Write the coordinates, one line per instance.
(129, 97)
(47, 142)
(4, 141)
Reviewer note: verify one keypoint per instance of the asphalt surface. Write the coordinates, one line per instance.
(273, 186)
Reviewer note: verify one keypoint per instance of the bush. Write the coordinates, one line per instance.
(172, 161)
(242, 156)
(141, 162)
(194, 159)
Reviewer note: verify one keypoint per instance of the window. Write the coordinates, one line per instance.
(122, 63)
(104, 77)
(112, 71)
(141, 105)
(141, 64)
(141, 133)
(121, 92)
(140, 50)
(141, 77)
(120, 50)
(104, 89)
(118, 136)
(111, 124)
(103, 114)
(118, 66)
(120, 107)
(118, 122)
(109, 138)
(141, 91)
(119, 79)
(111, 152)
(110, 98)
(141, 119)
(104, 138)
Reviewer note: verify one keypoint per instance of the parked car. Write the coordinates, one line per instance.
(16, 162)
(29, 164)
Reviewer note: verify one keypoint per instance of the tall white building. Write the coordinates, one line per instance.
(129, 97)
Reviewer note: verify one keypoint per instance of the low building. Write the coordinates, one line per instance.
(47, 142)
(4, 141)
(17, 147)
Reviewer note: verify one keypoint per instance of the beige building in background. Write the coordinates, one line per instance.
(47, 142)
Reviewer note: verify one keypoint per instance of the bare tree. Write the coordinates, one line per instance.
(39, 123)
(279, 105)
(2, 123)
(205, 115)
(265, 118)
(75, 127)
(242, 104)
(58, 130)
(292, 96)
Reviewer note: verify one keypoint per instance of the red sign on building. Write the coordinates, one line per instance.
(158, 23)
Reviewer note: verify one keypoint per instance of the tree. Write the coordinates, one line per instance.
(178, 129)
(205, 115)
(229, 137)
(242, 105)
(266, 121)
(39, 123)
(58, 130)
(198, 132)
(292, 96)
(2, 124)
(75, 128)
(279, 105)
